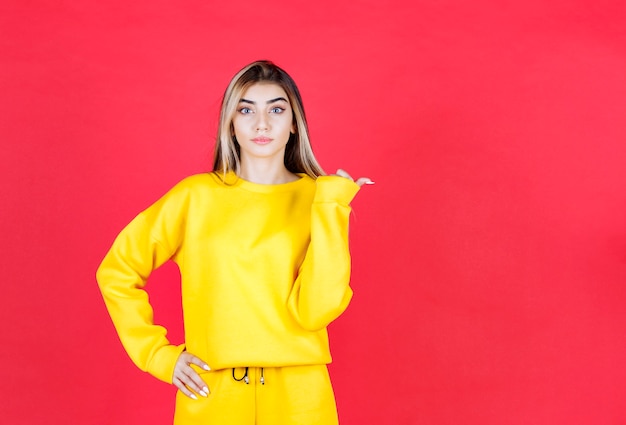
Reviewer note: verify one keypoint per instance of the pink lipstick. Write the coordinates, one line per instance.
(262, 140)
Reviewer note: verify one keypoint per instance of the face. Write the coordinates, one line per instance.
(263, 122)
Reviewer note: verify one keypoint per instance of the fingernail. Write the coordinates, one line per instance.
(206, 389)
(206, 367)
(193, 396)
(202, 393)
(370, 182)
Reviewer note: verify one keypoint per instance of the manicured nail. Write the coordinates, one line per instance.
(370, 182)
(202, 393)
(193, 396)
(206, 389)
(206, 367)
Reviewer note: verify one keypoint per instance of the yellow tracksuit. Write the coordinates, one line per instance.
(264, 270)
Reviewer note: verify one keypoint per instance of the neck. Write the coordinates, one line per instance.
(266, 172)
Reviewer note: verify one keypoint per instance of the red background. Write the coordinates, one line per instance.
(489, 258)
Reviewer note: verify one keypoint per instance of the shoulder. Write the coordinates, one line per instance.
(193, 187)
(195, 183)
(307, 180)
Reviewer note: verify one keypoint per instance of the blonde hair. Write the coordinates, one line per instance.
(299, 157)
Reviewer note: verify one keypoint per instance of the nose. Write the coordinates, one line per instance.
(262, 123)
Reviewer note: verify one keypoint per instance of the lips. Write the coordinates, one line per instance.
(262, 140)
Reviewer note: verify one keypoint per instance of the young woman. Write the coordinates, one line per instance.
(262, 247)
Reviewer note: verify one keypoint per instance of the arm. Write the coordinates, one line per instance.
(151, 239)
(321, 291)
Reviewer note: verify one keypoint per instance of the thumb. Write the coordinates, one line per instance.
(364, 180)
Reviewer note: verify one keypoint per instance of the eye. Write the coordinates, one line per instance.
(245, 110)
(277, 110)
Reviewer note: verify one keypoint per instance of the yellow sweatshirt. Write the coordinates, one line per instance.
(264, 270)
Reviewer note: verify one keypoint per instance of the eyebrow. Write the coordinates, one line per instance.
(278, 99)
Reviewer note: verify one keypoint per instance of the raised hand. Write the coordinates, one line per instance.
(360, 181)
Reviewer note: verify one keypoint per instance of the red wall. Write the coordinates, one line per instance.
(489, 258)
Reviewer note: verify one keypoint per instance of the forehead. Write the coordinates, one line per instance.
(262, 92)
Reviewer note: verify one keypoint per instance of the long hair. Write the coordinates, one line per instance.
(299, 156)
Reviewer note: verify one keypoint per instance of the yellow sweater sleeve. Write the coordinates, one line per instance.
(146, 243)
(321, 291)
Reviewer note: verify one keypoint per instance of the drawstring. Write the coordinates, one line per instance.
(246, 379)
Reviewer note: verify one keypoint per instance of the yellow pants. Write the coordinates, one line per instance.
(299, 395)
